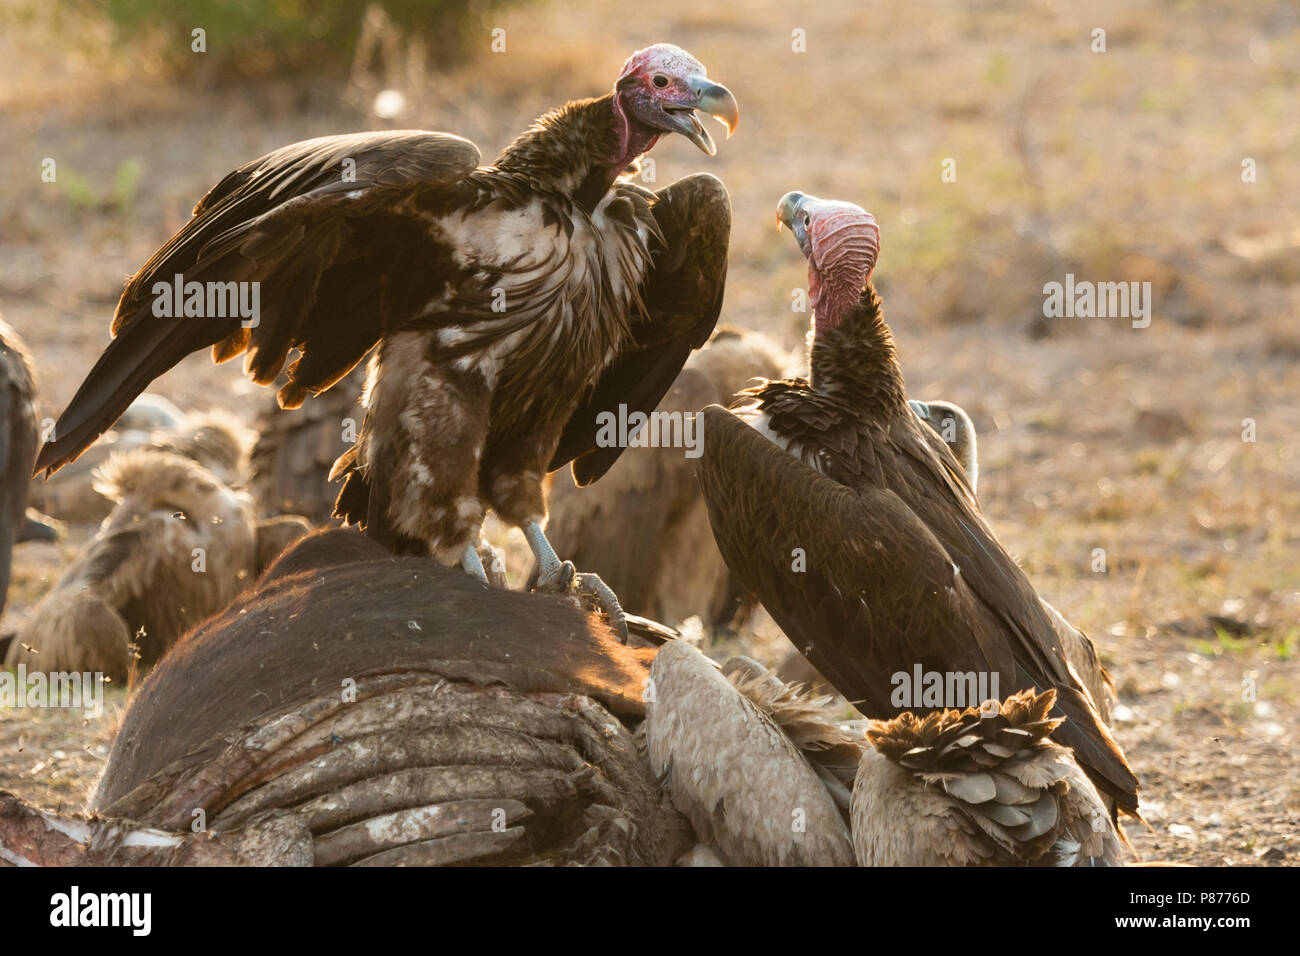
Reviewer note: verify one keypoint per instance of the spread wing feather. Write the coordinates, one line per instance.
(314, 223)
(683, 297)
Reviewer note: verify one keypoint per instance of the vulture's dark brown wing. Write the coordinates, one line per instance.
(683, 296)
(888, 577)
(620, 527)
(335, 230)
(17, 446)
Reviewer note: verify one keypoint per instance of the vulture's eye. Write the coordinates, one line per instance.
(660, 80)
(807, 220)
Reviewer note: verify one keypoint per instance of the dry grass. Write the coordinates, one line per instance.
(1115, 166)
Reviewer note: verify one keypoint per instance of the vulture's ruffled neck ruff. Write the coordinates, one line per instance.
(578, 150)
(854, 358)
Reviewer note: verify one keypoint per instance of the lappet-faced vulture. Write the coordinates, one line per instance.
(898, 571)
(511, 304)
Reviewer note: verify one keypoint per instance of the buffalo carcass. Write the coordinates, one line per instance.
(361, 708)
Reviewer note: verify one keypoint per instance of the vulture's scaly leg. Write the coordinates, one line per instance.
(561, 576)
(472, 563)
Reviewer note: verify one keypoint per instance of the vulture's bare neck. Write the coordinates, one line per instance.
(854, 360)
(578, 150)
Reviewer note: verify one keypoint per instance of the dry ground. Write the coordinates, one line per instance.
(1123, 165)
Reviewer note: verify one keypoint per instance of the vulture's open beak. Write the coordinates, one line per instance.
(715, 100)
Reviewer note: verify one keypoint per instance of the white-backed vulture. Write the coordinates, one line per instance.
(748, 790)
(177, 546)
(214, 440)
(978, 788)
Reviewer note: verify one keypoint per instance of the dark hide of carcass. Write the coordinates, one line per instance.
(360, 708)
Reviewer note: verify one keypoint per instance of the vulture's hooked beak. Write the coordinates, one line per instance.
(790, 212)
(787, 209)
(711, 98)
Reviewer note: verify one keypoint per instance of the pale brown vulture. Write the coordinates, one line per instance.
(512, 305)
(177, 547)
(750, 789)
(858, 530)
(951, 423)
(644, 528)
(978, 787)
(214, 440)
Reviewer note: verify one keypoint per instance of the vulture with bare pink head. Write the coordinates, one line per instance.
(511, 304)
(856, 526)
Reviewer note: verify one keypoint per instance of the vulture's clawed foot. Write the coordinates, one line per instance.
(561, 577)
(494, 564)
(597, 592)
(564, 578)
(486, 563)
(472, 563)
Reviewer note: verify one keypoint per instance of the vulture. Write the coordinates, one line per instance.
(290, 463)
(510, 306)
(951, 423)
(643, 528)
(177, 546)
(858, 530)
(751, 790)
(978, 787)
(214, 440)
(18, 440)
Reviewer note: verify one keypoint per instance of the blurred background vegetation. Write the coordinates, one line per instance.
(259, 37)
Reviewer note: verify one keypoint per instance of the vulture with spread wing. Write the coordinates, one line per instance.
(857, 528)
(511, 304)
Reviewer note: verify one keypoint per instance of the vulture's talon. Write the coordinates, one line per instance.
(597, 592)
(557, 578)
(494, 564)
